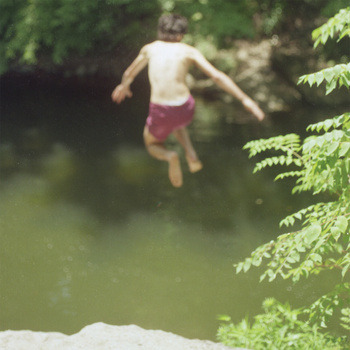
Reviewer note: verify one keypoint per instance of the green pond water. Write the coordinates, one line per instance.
(91, 229)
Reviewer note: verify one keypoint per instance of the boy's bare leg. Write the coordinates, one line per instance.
(191, 156)
(157, 150)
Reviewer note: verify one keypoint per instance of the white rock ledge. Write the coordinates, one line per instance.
(101, 336)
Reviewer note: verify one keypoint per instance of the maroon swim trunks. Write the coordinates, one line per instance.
(163, 120)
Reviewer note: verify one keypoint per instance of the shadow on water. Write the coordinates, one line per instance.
(92, 230)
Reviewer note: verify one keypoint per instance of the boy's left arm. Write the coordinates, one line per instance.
(123, 89)
(227, 84)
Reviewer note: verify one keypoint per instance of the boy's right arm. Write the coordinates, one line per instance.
(226, 83)
(123, 89)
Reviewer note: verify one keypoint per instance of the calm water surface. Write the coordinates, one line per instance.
(91, 229)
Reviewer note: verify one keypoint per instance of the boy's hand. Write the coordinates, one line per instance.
(253, 108)
(120, 92)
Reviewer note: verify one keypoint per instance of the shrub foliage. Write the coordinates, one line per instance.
(320, 164)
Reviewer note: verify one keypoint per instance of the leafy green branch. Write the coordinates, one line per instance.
(288, 143)
(334, 123)
(339, 24)
(304, 252)
(337, 75)
(324, 166)
(323, 308)
(323, 161)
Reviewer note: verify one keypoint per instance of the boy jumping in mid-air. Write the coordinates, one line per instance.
(171, 107)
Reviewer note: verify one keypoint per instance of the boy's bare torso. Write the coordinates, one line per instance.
(168, 65)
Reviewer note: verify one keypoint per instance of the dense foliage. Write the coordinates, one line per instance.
(60, 29)
(279, 328)
(321, 164)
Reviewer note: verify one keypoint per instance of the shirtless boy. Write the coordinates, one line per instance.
(172, 106)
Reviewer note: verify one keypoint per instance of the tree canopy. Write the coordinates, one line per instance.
(58, 29)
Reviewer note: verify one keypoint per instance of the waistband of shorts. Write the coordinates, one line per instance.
(173, 103)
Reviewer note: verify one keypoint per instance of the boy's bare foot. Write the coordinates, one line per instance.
(175, 173)
(194, 164)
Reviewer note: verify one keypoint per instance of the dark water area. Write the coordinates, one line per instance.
(92, 230)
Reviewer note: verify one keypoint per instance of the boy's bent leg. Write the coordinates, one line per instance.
(193, 162)
(157, 150)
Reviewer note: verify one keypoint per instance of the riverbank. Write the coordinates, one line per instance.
(101, 336)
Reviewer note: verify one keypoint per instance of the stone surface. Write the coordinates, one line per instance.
(100, 336)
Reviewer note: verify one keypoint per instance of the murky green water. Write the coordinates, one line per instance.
(91, 229)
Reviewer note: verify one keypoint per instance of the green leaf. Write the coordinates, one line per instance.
(342, 223)
(224, 318)
(311, 79)
(336, 233)
(344, 148)
(319, 78)
(257, 262)
(301, 79)
(328, 124)
(239, 267)
(345, 269)
(316, 257)
(328, 74)
(332, 148)
(312, 233)
(247, 264)
(262, 277)
(344, 34)
(331, 86)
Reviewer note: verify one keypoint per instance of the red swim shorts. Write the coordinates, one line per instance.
(163, 120)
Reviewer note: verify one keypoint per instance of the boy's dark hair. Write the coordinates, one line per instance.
(170, 26)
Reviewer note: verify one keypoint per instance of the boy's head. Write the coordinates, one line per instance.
(172, 27)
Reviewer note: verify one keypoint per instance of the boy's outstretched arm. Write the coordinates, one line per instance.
(227, 84)
(123, 89)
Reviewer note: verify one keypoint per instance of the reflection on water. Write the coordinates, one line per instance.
(91, 229)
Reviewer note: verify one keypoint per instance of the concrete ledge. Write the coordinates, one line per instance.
(101, 336)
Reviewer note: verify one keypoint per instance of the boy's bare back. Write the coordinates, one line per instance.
(168, 65)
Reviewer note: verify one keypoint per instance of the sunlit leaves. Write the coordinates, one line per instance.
(323, 308)
(336, 122)
(338, 75)
(322, 239)
(322, 161)
(324, 166)
(281, 160)
(339, 24)
(345, 319)
(289, 143)
(283, 328)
